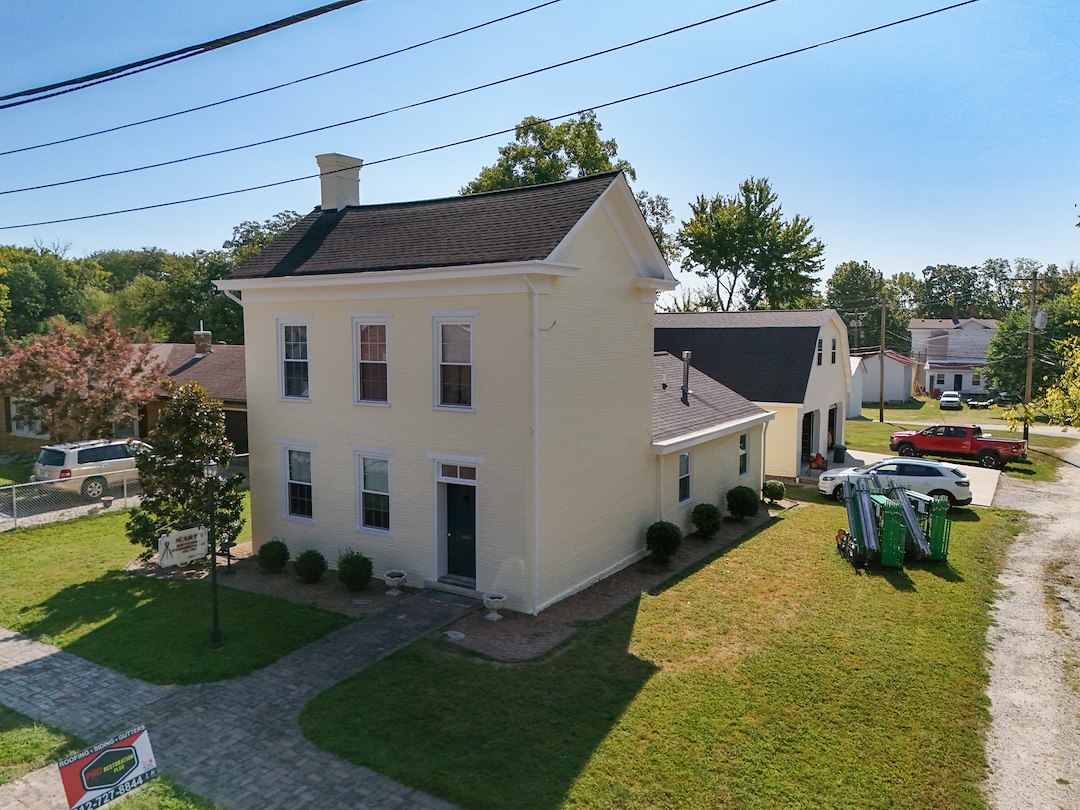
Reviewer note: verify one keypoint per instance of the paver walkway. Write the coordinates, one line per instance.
(235, 742)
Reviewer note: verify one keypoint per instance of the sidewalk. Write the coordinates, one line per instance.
(234, 742)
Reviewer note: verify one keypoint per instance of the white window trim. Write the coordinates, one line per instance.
(382, 454)
(744, 449)
(689, 479)
(300, 320)
(820, 349)
(440, 319)
(303, 447)
(30, 430)
(369, 319)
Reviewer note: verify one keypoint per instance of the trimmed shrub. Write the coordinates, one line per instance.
(663, 540)
(742, 502)
(272, 556)
(310, 566)
(354, 569)
(774, 490)
(706, 518)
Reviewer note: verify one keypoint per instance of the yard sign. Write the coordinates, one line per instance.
(182, 547)
(106, 771)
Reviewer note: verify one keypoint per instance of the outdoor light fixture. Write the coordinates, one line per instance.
(210, 471)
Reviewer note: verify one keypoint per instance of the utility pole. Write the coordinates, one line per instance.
(1030, 352)
(881, 369)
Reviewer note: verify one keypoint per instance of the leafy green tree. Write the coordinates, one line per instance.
(749, 252)
(949, 289)
(1006, 355)
(542, 152)
(80, 381)
(906, 290)
(856, 291)
(690, 299)
(44, 284)
(189, 432)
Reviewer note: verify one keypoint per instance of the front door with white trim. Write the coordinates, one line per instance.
(461, 531)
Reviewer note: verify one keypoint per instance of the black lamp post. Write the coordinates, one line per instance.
(210, 469)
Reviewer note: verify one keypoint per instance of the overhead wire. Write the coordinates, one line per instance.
(463, 141)
(153, 62)
(282, 85)
(400, 108)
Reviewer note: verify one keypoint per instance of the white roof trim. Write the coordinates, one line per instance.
(679, 443)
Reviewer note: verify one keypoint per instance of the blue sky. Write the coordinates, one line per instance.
(951, 139)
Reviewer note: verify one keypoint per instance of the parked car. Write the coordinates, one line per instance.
(950, 401)
(88, 467)
(934, 478)
(959, 441)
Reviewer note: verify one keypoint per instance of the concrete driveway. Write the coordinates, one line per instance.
(983, 481)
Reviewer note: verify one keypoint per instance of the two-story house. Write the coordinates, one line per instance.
(951, 351)
(792, 362)
(462, 388)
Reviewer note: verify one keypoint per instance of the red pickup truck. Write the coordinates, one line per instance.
(959, 441)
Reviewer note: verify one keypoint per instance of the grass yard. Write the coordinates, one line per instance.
(65, 584)
(15, 472)
(1043, 451)
(774, 675)
(927, 410)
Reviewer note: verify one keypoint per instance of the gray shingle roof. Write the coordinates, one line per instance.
(221, 372)
(711, 404)
(522, 224)
(765, 356)
(949, 323)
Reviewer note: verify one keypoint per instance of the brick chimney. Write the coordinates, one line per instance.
(203, 338)
(339, 176)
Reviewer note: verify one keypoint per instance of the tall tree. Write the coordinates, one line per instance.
(79, 382)
(189, 432)
(542, 152)
(856, 291)
(1006, 355)
(43, 284)
(749, 252)
(949, 290)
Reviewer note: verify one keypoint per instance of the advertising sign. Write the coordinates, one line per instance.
(106, 771)
(182, 547)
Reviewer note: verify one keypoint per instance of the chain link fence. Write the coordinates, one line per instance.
(40, 502)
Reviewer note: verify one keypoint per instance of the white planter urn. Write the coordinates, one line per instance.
(493, 601)
(394, 580)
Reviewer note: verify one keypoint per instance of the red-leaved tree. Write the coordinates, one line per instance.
(78, 382)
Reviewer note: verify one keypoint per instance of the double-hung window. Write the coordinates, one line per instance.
(372, 373)
(454, 361)
(834, 351)
(684, 477)
(743, 463)
(293, 351)
(819, 350)
(299, 492)
(373, 475)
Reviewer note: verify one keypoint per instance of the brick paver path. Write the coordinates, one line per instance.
(235, 742)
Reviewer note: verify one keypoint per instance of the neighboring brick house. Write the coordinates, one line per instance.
(463, 388)
(951, 352)
(792, 362)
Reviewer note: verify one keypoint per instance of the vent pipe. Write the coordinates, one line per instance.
(686, 378)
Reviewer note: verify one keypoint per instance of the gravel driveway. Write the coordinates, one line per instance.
(1034, 745)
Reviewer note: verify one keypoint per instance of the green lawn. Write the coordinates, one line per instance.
(774, 675)
(927, 410)
(1044, 456)
(65, 584)
(15, 472)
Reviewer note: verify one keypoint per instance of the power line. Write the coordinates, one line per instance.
(253, 93)
(392, 110)
(476, 138)
(152, 62)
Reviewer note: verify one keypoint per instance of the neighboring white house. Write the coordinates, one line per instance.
(466, 388)
(951, 352)
(866, 380)
(792, 362)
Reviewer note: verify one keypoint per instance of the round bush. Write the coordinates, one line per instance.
(742, 502)
(354, 570)
(272, 556)
(706, 518)
(663, 540)
(774, 490)
(310, 566)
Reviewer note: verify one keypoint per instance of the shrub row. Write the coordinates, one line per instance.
(663, 539)
(354, 569)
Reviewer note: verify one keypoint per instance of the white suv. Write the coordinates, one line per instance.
(89, 467)
(934, 478)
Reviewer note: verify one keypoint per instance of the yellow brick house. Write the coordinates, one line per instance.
(462, 388)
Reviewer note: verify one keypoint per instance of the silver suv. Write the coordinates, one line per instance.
(89, 467)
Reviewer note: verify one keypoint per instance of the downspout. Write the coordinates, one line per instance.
(534, 562)
(660, 490)
(764, 436)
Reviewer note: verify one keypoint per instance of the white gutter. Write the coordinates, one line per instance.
(710, 433)
(534, 562)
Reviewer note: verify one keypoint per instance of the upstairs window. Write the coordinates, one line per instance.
(293, 348)
(834, 351)
(455, 357)
(684, 477)
(819, 350)
(372, 378)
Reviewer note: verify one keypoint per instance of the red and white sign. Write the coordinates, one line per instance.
(182, 547)
(106, 771)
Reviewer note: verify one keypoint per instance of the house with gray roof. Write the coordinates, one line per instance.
(951, 352)
(792, 362)
(465, 389)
